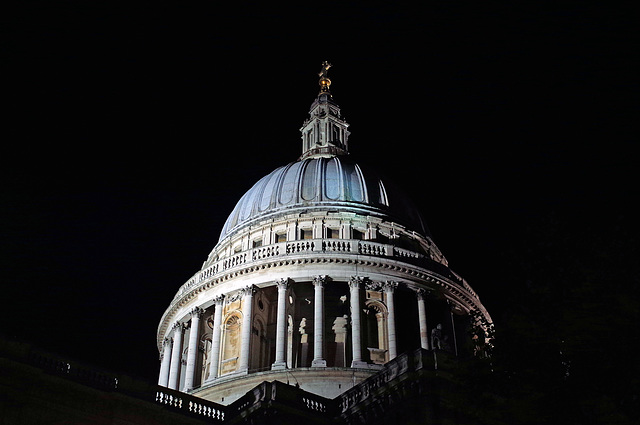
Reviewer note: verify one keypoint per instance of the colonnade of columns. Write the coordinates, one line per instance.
(171, 353)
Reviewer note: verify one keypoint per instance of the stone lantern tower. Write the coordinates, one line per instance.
(322, 274)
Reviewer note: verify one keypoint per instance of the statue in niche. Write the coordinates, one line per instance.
(436, 337)
(302, 329)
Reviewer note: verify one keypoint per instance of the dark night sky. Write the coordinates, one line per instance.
(135, 127)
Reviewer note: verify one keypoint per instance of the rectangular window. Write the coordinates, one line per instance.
(281, 237)
(257, 243)
(333, 233)
(306, 234)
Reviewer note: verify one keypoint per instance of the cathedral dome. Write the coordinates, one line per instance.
(323, 268)
(334, 183)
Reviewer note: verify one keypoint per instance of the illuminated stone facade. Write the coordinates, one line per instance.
(322, 274)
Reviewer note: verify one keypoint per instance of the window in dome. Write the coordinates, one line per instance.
(306, 234)
(309, 182)
(355, 182)
(332, 180)
(357, 234)
(257, 243)
(280, 237)
(333, 233)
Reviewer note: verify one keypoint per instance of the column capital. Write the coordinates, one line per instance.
(283, 283)
(167, 340)
(422, 293)
(356, 282)
(177, 326)
(247, 291)
(389, 286)
(320, 280)
(196, 312)
(219, 300)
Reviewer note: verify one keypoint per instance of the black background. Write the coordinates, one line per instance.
(131, 129)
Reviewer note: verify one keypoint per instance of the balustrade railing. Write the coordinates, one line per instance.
(186, 403)
(300, 246)
(347, 246)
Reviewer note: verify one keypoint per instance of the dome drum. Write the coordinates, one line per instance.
(243, 296)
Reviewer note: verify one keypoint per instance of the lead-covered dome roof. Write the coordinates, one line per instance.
(333, 183)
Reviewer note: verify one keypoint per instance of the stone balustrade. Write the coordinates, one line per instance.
(310, 246)
(283, 249)
(190, 405)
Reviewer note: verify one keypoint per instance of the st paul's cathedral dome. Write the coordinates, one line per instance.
(324, 273)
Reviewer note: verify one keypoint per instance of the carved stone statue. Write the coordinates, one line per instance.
(436, 337)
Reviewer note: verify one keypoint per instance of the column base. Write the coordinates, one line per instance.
(359, 364)
(279, 366)
(319, 363)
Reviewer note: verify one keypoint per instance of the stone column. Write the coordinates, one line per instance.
(389, 288)
(192, 351)
(215, 337)
(163, 380)
(318, 322)
(245, 344)
(281, 324)
(422, 318)
(356, 329)
(176, 353)
(453, 327)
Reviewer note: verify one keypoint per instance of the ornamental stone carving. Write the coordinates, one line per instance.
(422, 293)
(283, 283)
(389, 286)
(357, 282)
(196, 312)
(373, 286)
(247, 291)
(320, 280)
